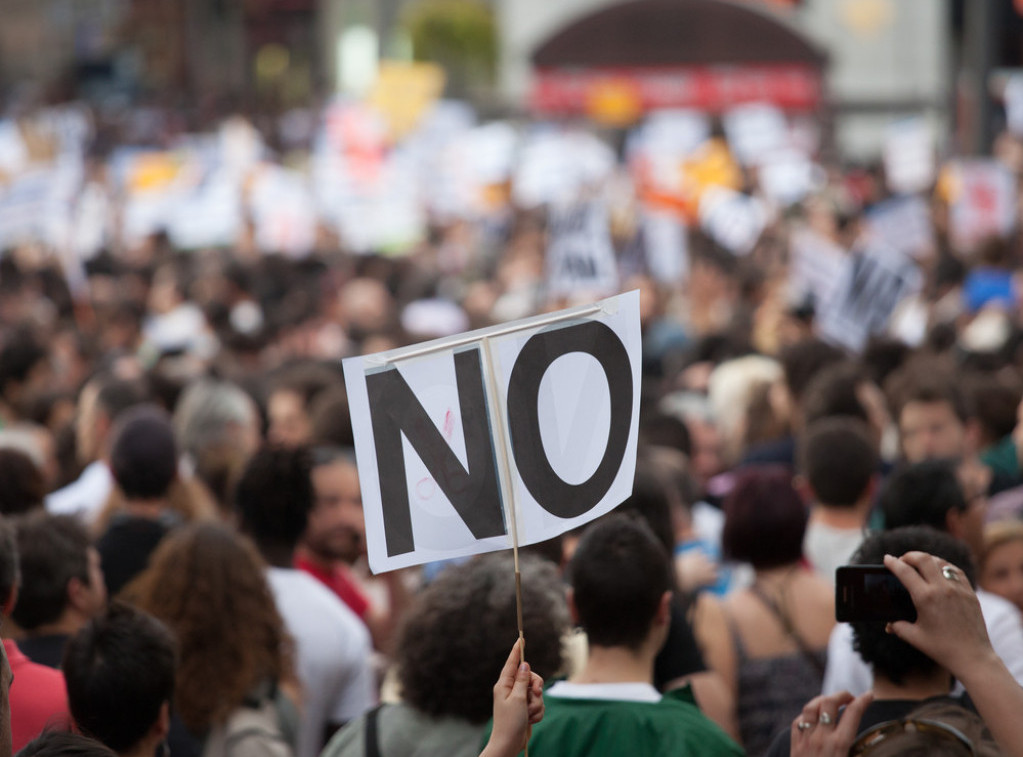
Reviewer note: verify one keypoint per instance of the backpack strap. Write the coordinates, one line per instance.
(371, 735)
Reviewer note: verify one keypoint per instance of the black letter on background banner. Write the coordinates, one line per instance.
(474, 493)
(552, 492)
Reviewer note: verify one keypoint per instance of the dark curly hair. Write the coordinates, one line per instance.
(274, 495)
(886, 653)
(456, 637)
(207, 584)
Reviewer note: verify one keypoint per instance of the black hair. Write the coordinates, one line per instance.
(834, 391)
(22, 487)
(8, 559)
(119, 671)
(921, 494)
(456, 636)
(115, 395)
(54, 743)
(52, 550)
(838, 458)
(619, 573)
(803, 360)
(144, 453)
(19, 356)
(275, 494)
(889, 655)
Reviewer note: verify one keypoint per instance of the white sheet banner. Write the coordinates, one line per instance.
(543, 410)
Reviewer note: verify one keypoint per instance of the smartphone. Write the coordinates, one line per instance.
(871, 593)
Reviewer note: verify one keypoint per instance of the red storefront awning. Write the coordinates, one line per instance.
(710, 88)
(707, 54)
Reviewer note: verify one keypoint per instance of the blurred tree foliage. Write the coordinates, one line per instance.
(459, 35)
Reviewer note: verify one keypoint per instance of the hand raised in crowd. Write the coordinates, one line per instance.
(949, 628)
(824, 729)
(518, 705)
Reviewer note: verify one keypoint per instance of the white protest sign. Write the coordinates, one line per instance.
(211, 216)
(983, 202)
(787, 176)
(876, 279)
(283, 211)
(544, 410)
(1014, 103)
(733, 220)
(580, 256)
(905, 224)
(910, 163)
(815, 267)
(755, 131)
(666, 246)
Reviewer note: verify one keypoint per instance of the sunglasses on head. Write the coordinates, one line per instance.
(880, 733)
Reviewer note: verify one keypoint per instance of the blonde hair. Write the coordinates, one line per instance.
(996, 535)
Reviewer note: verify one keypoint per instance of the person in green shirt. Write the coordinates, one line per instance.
(620, 594)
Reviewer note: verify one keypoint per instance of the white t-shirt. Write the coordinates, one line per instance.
(86, 495)
(847, 671)
(332, 649)
(827, 547)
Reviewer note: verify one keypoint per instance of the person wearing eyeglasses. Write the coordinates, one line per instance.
(950, 630)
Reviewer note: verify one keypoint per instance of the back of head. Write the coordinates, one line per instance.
(9, 571)
(889, 655)
(332, 419)
(803, 360)
(619, 573)
(921, 494)
(456, 635)
(212, 413)
(835, 390)
(22, 486)
(765, 519)
(119, 671)
(53, 550)
(207, 583)
(64, 744)
(144, 454)
(115, 396)
(650, 501)
(274, 495)
(839, 459)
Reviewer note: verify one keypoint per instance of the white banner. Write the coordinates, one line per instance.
(580, 256)
(543, 410)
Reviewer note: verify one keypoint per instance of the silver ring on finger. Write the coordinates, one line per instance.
(950, 573)
(802, 725)
(826, 719)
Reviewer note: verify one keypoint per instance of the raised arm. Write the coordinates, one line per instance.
(950, 629)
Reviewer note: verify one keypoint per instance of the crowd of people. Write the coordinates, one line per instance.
(182, 542)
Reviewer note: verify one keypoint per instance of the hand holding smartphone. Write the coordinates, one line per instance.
(871, 593)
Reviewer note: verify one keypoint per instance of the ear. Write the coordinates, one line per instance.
(75, 591)
(663, 616)
(802, 485)
(12, 599)
(954, 524)
(572, 610)
(162, 725)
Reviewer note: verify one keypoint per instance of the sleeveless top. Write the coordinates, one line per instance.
(773, 690)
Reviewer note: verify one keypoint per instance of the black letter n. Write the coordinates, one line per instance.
(474, 493)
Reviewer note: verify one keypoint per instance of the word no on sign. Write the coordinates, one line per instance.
(541, 414)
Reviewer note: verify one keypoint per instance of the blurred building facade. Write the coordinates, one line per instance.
(884, 58)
